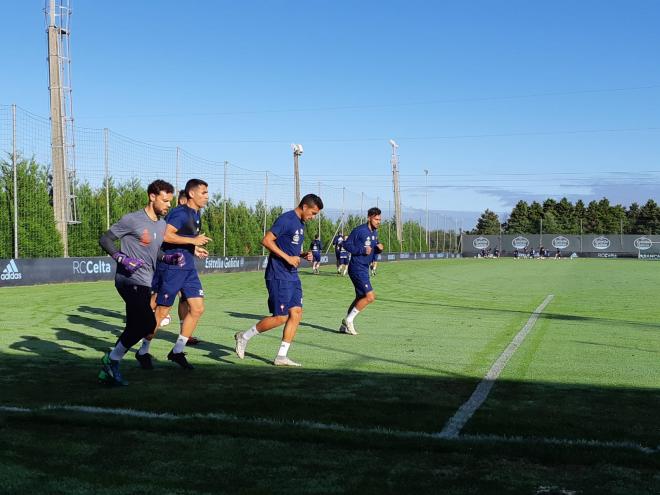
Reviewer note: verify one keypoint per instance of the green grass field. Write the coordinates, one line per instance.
(574, 411)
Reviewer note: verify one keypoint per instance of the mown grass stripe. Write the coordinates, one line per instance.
(455, 424)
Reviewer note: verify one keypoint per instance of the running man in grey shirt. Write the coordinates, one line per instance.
(140, 234)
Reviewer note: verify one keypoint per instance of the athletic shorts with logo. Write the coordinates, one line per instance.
(343, 258)
(316, 255)
(283, 295)
(361, 282)
(171, 282)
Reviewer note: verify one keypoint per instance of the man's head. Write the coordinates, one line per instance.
(182, 199)
(160, 196)
(316, 237)
(310, 206)
(197, 192)
(373, 216)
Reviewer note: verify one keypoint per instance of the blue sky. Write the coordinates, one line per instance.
(500, 101)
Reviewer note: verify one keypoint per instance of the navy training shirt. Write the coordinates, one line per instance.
(337, 243)
(316, 245)
(289, 231)
(188, 223)
(357, 241)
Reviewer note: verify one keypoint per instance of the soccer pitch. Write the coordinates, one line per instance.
(574, 410)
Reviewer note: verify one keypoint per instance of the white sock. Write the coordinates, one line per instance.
(351, 316)
(252, 332)
(118, 353)
(144, 349)
(180, 344)
(284, 348)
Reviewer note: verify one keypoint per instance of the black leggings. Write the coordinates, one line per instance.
(140, 319)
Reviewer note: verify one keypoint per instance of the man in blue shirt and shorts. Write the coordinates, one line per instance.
(284, 240)
(182, 235)
(316, 248)
(364, 247)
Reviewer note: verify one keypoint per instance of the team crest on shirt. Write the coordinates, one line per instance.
(145, 238)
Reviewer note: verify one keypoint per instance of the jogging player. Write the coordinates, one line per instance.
(343, 259)
(182, 308)
(364, 247)
(284, 240)
(337, 243)
(316, 248)
(140, 235)
(182, 235)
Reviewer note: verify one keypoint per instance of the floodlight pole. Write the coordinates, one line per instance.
(106, 166)
(397, 192)
(224, 213)
(426, 188)
(263, 249)
(297, 151)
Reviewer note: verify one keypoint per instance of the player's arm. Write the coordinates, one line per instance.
(172, 237)
(355, 245)
(269, 243)
(107, 242)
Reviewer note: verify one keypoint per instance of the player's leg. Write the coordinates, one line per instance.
(294, 308)
(364, 295)
(277, 309)
(140, 321)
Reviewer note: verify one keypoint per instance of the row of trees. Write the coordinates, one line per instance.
(38, 236)
(598, 217)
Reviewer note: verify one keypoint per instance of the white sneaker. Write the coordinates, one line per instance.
(285, 361)
(166, 321)
(241, 344)
(347, 327)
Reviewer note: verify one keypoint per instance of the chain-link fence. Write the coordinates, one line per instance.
(111, 175)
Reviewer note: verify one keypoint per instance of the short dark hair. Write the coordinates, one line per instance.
(373, 211)
(159, 185)
(311, 200)
(193, 184)
(182, 193)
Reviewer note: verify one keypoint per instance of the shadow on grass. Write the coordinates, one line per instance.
(545, 315)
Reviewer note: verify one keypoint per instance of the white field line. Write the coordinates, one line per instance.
(316, 426)
(453, 427)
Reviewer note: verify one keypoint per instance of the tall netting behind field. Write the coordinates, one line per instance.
(110, 176)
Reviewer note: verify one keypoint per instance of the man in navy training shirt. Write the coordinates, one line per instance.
(316, 248)
(364, 247)
(182, 235)
(343, 258)
(284, 240)
(337, 243)
(140, 234)
(183, 304)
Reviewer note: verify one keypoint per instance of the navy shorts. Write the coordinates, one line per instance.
(316, 255)
(343, 260)
(361, 282)
(174, 281)
(283, 295)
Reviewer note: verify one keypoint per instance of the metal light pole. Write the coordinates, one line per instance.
(426, 187)
(263, 249)
(224, 213)
(297, 152)
(397, 191)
